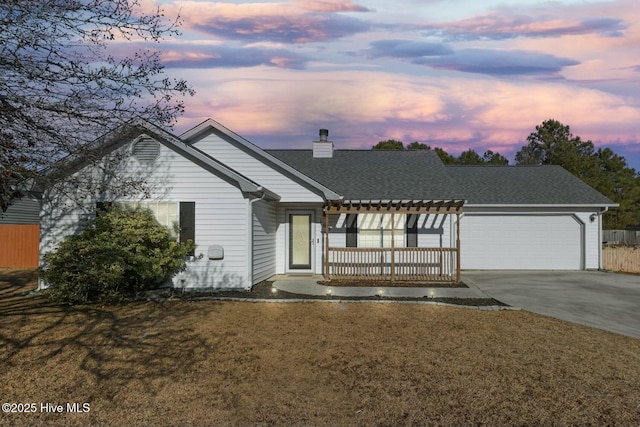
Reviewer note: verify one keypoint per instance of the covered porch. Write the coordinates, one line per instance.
(393, 260)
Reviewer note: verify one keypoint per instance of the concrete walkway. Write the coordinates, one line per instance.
(608, 301)
(308, 285)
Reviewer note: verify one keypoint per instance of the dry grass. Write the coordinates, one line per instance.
(326, 364)
(621, 258)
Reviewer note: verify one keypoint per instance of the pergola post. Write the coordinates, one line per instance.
(326, 244)
(458, 247)
(393, 247)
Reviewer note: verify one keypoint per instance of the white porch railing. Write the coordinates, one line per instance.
(394, 264)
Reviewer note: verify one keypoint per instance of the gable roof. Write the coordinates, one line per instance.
(211, 126)
(420, 175)
(138, 127)
(376, 174)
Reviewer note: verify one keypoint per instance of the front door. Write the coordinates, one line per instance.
(300, 240)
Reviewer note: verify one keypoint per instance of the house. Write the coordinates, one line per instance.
(366, 214)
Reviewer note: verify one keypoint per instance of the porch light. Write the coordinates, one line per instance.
(274, 289)
(329, 292)
(380, 292)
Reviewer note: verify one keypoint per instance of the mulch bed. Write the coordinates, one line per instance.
(265, 291)
(397, 284)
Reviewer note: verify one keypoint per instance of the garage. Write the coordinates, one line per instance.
(521, 242)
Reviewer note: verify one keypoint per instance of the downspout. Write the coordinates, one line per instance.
(602, 212)
(250, 237)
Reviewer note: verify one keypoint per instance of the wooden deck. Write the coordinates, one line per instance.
(394, 264)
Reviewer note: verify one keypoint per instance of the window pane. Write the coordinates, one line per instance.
(374, 230)
(398, 238)
(369, 239)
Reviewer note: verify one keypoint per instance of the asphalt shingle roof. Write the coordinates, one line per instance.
(420, 175)
(376, 174)
(544, 185)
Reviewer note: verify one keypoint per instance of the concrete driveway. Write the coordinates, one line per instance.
(601, 300)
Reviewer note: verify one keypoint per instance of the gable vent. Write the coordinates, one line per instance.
(146, 149)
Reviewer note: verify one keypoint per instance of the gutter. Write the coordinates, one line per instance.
(263, 194)
(545, 205)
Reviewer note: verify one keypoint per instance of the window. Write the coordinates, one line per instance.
(376, 230)
(166, 214)
(179, 218)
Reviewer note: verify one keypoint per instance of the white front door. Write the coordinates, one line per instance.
(300, 241)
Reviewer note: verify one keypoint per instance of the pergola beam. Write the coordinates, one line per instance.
(400, 206)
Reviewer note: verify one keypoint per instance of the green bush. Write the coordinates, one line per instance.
(121, 252)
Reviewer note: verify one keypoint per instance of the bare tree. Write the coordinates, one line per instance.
(70, 71)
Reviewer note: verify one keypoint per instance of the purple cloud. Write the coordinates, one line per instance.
(498, 62)
(500, 27)
(307, 28)
(296, 21)
(231, 57)
(406, 49)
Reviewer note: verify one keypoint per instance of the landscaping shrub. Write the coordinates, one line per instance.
(121, 252)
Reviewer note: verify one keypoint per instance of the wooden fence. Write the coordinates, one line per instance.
(19, 245)
(621, 237)
(416, 264)
(621, 258)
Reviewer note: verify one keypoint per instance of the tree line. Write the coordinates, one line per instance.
(552, 143)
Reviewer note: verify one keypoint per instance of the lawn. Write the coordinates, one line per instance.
(180, 363)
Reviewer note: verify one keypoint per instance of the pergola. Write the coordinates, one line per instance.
(418, 264)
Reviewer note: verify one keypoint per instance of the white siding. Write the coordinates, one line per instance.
(264, 240)
(434, 231)
(255, 169)
(221, 213)
(337, 231)
(592, 239)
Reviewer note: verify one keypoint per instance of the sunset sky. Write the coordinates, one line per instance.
(456, 74)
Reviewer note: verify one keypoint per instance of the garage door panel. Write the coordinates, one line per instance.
(517, 242)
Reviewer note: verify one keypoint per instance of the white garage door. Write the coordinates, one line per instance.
(521, 242)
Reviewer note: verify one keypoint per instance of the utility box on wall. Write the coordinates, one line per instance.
(216, 252)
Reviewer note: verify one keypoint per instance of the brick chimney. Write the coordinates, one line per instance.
(323, 148)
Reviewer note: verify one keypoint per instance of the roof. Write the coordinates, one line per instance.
(524, 185)
(420, 175)
(376, 174)
(138, 127)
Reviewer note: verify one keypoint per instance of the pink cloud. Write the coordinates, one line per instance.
(329, 6)
(506, 26)
(280, 111)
